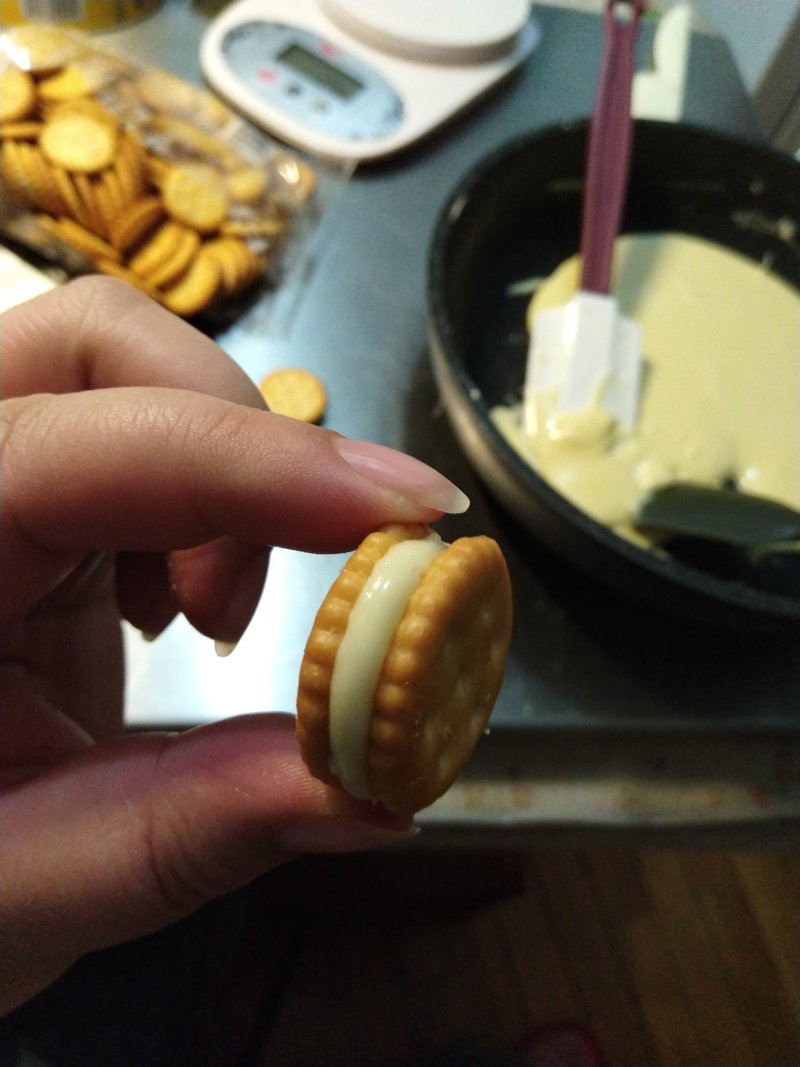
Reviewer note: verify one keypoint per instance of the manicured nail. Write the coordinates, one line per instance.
(338, 833)
(150, 635)
(245, 582)
(405, 475)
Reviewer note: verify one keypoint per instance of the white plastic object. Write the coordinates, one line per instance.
(361, 79)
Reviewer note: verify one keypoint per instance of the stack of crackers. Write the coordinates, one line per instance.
(137, 174)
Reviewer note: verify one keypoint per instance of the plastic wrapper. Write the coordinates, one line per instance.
(113, 167)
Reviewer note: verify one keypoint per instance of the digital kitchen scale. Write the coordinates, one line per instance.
(360, 79)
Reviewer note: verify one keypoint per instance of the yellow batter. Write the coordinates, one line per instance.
(721, 397)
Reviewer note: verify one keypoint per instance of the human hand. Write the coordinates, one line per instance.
(142, 478)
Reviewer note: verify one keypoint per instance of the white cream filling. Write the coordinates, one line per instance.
(362, 650)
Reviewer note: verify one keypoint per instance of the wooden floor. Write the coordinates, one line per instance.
(668, 957)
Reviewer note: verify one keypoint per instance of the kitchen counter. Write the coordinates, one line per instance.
(610, 715)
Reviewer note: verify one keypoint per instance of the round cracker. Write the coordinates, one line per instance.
(41, 48)
(197, 288)
(79, 238)
(17, 94)
(177, 264)
(87, 191)
(157, 248)
(295, 392)
(129, 166)
(136, 222)
(231, 255)
(440, 677)
(26, 172)
(79, 141)
(69, 194)
(24, 130)
(69, 84)
(14, 163)
(195, 194)
(258, 227)
(247, 185)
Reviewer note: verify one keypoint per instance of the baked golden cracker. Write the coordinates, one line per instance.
(69, 84)
(295, 392)
(397, 718)
(160, 244)
(247, 184)
(197, 288)
(79, 238)
(177, 264)
(135, 223)
(39, 48)
(195, 195)
(17, 95)
(24, 130)
(79, 142)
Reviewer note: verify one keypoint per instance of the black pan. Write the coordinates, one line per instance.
(517, 215)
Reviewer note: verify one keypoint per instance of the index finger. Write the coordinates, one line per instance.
(106, 333)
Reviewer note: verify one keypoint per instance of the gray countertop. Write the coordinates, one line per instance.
(584, 665)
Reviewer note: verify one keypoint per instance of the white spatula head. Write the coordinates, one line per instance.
(585, 353)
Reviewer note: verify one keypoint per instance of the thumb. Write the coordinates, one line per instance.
(138, 832)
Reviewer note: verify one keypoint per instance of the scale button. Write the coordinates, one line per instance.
(293, 89)
(266, 74)
(319, 107)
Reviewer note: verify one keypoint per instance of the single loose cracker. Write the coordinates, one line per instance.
(295, 392)
(440, 677)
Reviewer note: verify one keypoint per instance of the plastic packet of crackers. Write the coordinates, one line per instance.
(127, 170)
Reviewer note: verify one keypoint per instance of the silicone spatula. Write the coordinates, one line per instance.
(586, 350)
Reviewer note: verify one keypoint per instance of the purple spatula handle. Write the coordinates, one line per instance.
(610, 135)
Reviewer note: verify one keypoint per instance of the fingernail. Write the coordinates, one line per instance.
(245, 583)
(337, 833)
(395, 470)
(150, 635)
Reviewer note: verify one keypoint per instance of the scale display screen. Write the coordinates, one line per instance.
(318, 70)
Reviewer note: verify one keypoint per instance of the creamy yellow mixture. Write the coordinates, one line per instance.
(721, 393)
(362, 650)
